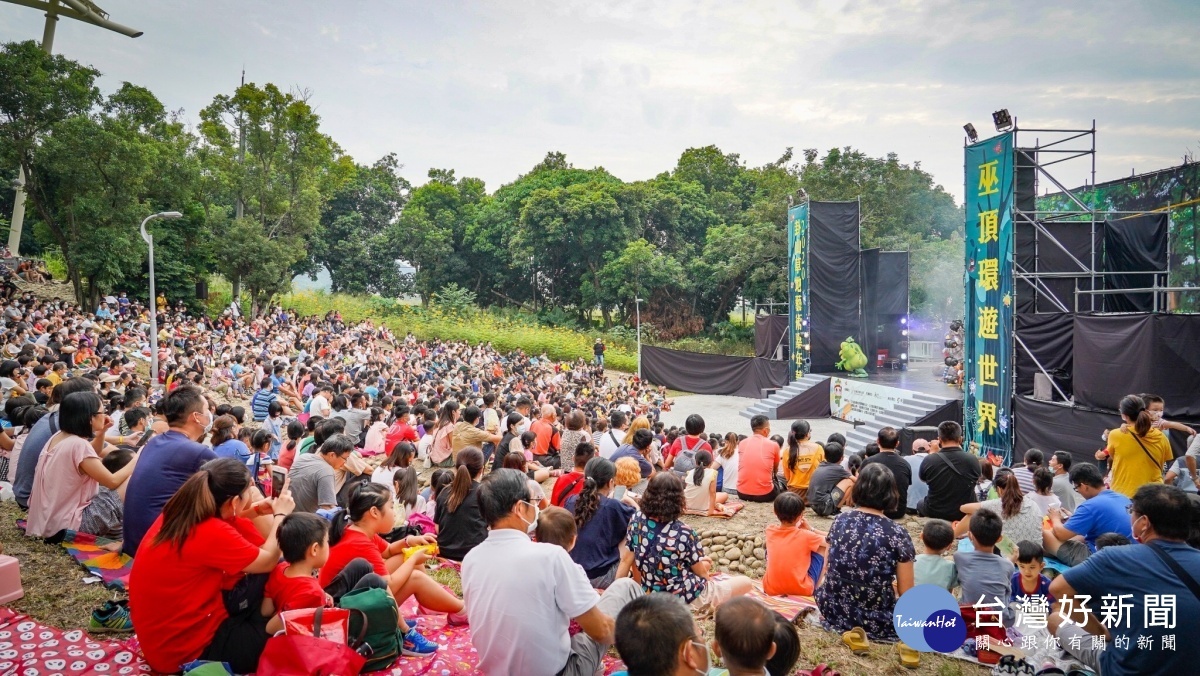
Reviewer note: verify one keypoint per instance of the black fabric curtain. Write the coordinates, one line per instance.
(1134, 244)
(892, 294)
(1050, 339)
(769, 331)
(1116, 355)
(1052, 426)
(811, 403)
(868, 332)
(712, 373)
(834, 280)
(1038, 252)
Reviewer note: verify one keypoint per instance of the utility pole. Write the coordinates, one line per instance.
(80, 10)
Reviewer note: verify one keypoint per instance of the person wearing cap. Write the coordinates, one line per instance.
(917, 490)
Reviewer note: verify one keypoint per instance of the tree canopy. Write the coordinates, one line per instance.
(267, 194)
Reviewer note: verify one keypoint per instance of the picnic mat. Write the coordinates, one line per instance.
(112, 568)
(27, 647)
(730, 508)
(788, 606)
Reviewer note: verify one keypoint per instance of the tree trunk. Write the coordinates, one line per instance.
(237, 287)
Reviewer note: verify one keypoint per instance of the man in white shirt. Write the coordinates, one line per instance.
(320, 401)
(520, 611)
(610, 441)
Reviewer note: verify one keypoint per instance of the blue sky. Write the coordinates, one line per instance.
(487, 88)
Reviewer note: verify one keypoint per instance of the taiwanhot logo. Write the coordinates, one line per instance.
(927, 619)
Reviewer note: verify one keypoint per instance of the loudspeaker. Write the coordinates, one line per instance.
(910, 434)
(202, 290)
(1043, 389)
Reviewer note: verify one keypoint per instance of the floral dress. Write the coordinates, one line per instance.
(664, 554)
(864, 552)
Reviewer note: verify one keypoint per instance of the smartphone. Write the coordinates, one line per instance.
(618, 492)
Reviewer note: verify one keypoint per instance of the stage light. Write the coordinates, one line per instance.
(904, 332)
(904, 320)
(972, 135)
(1002, 119)
(903, 356)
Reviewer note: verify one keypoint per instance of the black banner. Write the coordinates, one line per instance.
(834, 279)
(1052, 426)
(1050, 341)
(1134, 244)
(702, 373)
(1116, 355)
(769, 331)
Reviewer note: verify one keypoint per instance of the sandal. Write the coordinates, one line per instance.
(909, 658)
(856, 641)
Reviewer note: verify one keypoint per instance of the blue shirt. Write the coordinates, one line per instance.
(233, 448)
(628, 451)
(596, 544)
(1136, 570)
(1043, 589)
(260, 404)
(30, 452)
(166, 462)
(1102, 514)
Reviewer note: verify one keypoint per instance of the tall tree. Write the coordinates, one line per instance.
(283, 176)
(432, 231)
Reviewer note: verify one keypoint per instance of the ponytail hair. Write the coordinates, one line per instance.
(467, 466)
(362, 498)
(1133, 407)
(437, 481)
(799, 431)
(295, 432)
(1011, 495)
(598, 473)
(703, 460)
(200, 498)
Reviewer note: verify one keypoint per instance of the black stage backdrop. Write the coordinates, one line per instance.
(1049, 338)
(1116, 355)
(867, 334)
(891, 298)
(1035, 252)
(769, 330)
(712, 373)
(1052, 426)
(811, 403)
(833, 273)
(1134, 244)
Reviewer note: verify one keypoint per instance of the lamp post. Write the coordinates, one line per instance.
(637, 304)
(79, 10)
(153, 299)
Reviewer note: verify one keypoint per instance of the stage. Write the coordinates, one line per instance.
(919, 379)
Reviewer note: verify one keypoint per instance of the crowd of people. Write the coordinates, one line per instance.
(554, 485)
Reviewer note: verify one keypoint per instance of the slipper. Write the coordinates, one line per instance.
(909, 658)
(856, 641)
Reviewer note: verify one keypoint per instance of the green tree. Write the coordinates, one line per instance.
(432, 231)
(352, 242)
(282, 178)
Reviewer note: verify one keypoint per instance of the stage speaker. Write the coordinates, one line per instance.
(202, 290)
(1043, 389)
(910, 434)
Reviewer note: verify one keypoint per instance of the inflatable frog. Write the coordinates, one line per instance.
(853, 360)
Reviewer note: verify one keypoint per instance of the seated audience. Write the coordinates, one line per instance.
(1043, 495)
(1021, 516)
(795, 552)
(986, 577)
(889, 441)
(1028, 583)
(933, 567)
(460, 524)
(1102, 511)
(602, 524)
(1060, 464)
(758, 462)
(1162, 566)
(830, 487)
(800, 458)
(1034, 459)
(745, 636)
(679, 455)
(571, 483)
(701, 492)
(657, 636)
(521, 595)
(104, 514)
(667, 553)
(868, 552)
(313, 475)
(950, 473)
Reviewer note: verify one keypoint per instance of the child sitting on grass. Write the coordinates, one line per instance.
(931, 567)
(795, 552)
(1028, 582)
(986, 577)
(105, 514)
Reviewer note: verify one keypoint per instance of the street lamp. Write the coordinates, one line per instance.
(153, 299)
(79, 10)
(637, 303)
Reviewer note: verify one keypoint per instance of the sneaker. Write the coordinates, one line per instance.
(110, 618)
(416, 645)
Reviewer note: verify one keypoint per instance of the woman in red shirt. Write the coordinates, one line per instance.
(355, 535)
(189, 557)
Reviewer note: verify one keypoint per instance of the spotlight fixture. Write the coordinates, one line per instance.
(904, 320)
(1002, 119)
(972, 135)
(904, 332)
(903, 356)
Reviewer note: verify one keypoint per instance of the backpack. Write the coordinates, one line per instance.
(685, 461)
(381, 646)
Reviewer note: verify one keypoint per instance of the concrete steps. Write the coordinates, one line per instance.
(783, 395)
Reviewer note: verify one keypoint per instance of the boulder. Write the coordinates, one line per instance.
(760, 553)
(733, 554)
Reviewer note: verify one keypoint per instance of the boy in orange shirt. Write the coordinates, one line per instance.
(795, 552)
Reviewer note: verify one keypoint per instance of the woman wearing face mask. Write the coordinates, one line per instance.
(460, 524)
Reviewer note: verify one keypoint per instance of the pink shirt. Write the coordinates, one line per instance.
(757, 458)
(60, 489)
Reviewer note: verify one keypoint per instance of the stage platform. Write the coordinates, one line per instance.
(918, 378)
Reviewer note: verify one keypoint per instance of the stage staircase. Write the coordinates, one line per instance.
(770, 406)
(906, 413)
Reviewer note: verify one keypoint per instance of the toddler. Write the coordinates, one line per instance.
(556, 526)
(1028, 582)
(931, 567)
(795, 552)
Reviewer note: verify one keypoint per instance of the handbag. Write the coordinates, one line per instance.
(307, 655)
(778, 483)
(332, 624)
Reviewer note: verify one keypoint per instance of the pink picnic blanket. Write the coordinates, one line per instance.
(28, 647)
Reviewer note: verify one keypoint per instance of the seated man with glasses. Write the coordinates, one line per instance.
(1102, 511)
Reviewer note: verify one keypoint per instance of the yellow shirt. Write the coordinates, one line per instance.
(1131, 466)
(807, 461)
(54, 377)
